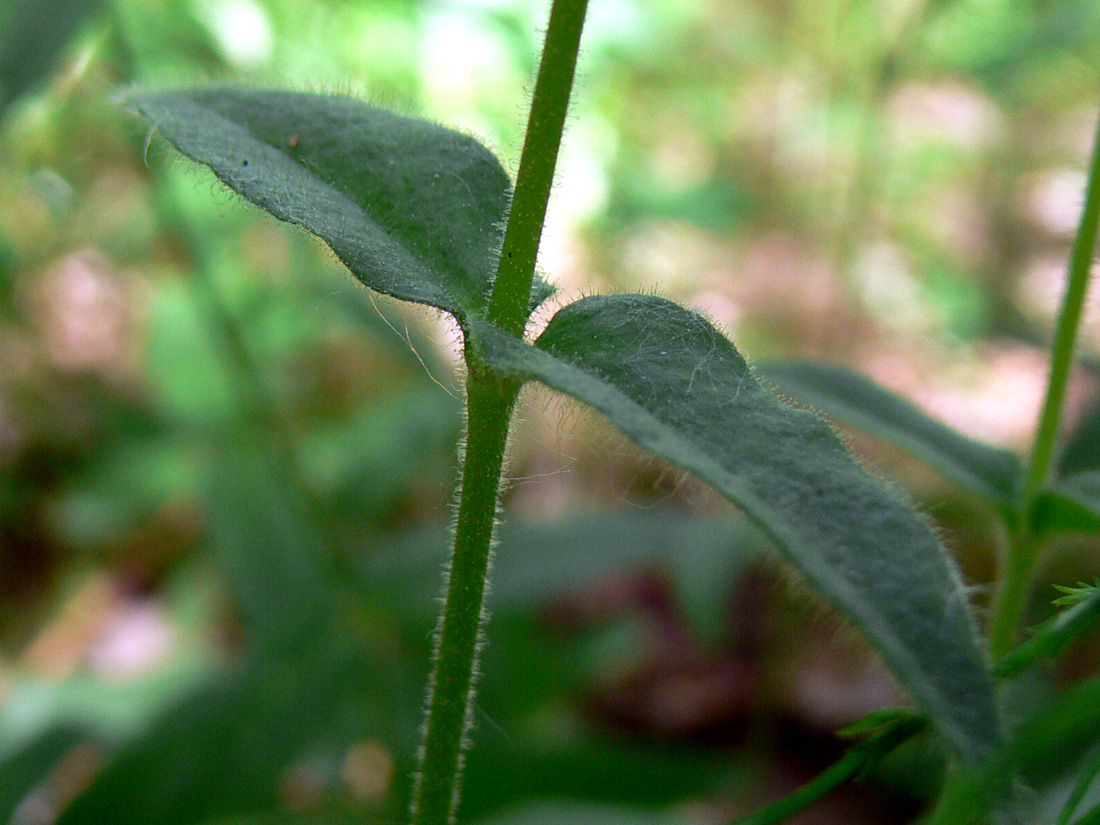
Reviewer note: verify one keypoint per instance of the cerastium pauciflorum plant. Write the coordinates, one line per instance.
(428, 215)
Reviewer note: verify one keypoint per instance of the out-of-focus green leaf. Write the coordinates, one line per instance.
(125, 485)
(1082, 452)
(579, 763)
(1066, 26)
(717, 205)
(987, 471)
(414, 210)
(297, 818)
(557, 813)
(535, 562)
(32, 34)
(1048, 744)
(22, 770)
(672, 383)
(187, 372)
(107, 710)
(369, 459)
(224, 750)
(7, 263)
(535, 739)
(266, 539)
(1072, 505)
(705, 575)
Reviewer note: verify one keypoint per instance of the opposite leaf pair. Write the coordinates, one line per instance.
(417, 211)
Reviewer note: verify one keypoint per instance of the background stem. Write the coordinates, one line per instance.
(1023, 552)
(1065, 341)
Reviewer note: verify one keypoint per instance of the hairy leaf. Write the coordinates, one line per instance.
(990, 472)
(676, 386)
(414, 210)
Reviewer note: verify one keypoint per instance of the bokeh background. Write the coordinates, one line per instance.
(225, 467)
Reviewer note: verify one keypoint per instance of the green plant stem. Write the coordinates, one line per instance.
(1010, 599)
(1051, 638)
(489, 402)
(489, 408)
(1023, 551)
(1065, 340)
(509, 306)
(854, 763)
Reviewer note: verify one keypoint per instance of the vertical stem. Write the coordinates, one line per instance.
(1023, 551)
(1010, 599)
(490, 400)
(509, 306)
(489, 406)
(1065, 341)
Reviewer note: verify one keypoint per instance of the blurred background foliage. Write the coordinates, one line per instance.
(225, 468)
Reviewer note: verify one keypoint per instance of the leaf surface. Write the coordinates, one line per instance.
(414, 210)
(534, 562)
(1071, 505)
(225, 749)
(269, 544)
(990, 472)
(553, 813)
(671, 382)
(23, 768)
(1082, 451)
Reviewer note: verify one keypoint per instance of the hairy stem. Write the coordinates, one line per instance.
(1023, 553)
(510, 303)
(489, 408)
(490, 400)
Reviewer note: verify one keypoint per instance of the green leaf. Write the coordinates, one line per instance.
(555, 813)
(1071, 506)
(534, 562)
(1051, 741)
(414, 210)
(672, 383)
(224, 750)
(23, 769)
(1053, 636)
(990, 472)
(1082, 451)
(269, 543)
(32, 34)
(283, 817)
(1078, 594)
